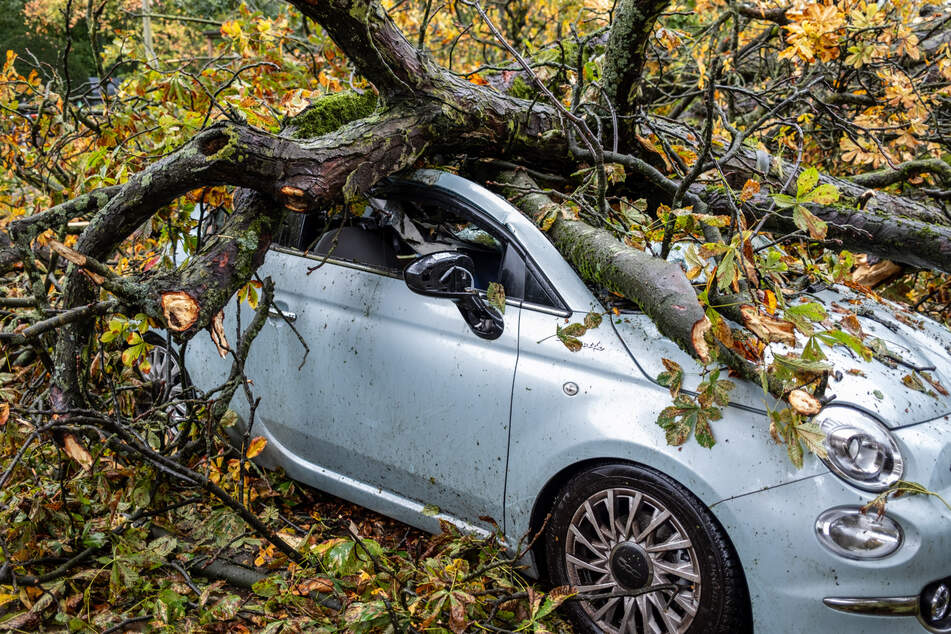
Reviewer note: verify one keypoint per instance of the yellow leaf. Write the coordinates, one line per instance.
(256, 446)
(770, 302)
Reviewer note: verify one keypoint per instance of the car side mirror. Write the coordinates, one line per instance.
(441, 274)
(449, 274)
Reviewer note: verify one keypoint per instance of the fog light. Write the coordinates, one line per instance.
(936, 603)
(848, 532)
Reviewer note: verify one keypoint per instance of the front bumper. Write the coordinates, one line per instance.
(885, 606)
(790, 573)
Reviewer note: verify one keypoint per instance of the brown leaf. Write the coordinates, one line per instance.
(851, 323)
(217, 330)
(804, 402)
(749, 264)
(77, 452)
(294, 198)
(767, 328)
(750, 189)
(935, 384)
(873, 275)
(319, 584)
(4, 414)
(180, 309)
(457, 618)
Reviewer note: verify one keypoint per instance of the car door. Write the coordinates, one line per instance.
(397, 392)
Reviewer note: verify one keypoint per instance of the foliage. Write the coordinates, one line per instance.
(95, 537)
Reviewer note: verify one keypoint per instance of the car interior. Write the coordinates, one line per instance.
(391, 233)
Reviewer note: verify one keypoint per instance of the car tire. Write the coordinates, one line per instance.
(168, 378)
(648, 510)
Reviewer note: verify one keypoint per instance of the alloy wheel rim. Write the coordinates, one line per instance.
(622, 540)
(165, 371)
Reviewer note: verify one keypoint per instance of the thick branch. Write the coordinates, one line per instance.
(904, 171)
(886, 235)
(626, 50)
(659, 287)
(373, 43)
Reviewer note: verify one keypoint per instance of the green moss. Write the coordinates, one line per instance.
(101, 199)
(521, 89)
(230, 146)
(331, 112)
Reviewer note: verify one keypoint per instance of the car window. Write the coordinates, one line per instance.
(392, 232)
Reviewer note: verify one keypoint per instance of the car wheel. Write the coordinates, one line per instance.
(167, 378)
(619, 530)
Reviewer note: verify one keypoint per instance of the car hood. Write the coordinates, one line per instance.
(918, 345)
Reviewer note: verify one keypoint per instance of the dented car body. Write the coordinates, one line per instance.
(403, 404)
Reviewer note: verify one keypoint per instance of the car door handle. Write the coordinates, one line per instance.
(278, 311)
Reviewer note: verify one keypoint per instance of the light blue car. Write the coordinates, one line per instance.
(417, 393)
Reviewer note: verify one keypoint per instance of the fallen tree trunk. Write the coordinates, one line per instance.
(890, 236)
(659, 287)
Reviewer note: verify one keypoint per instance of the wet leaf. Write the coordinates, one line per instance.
(853, 343)
(802, 365)
(808, 222)
(256, 446)
(592, 320)
(672, 378)
(912, 381)
(496, 296)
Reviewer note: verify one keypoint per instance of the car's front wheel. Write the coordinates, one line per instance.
(617, 531)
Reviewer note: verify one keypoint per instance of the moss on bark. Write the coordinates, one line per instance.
(331, 112)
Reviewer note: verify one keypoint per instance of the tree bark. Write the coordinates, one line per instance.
(659, 287)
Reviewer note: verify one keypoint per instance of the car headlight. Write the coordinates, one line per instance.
(861, 450)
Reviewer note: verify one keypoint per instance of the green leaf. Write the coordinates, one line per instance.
(794, 449)
(672, 378)
(496, 296)
(801, 365)
(268, 587)
(813, 311)
(703, 433)
(430, 510)
(824, 194)
(340, 558)
(574, 330)
(783, 201)
(806, 181)
(813, 437)
(726, 271)
(677, 433)
(812, 351)
(568, 336)
(842, 338)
